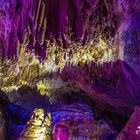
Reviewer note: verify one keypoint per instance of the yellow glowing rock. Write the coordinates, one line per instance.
(29, 133)
(37, 117)
(38, 127)
(39, 112)
(41, 87)
(36, 121)
(47, 120)
(39, 131)
(102, 44)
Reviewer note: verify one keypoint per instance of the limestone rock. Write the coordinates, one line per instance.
(38, 127)
(132, 128)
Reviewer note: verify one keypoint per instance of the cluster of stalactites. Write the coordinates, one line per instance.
(16, 73)
(30, 22)
(46, 56)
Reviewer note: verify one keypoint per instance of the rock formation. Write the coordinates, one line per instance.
(37, 127)
(63, 46)
(132, 128)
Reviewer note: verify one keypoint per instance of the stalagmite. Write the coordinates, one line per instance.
(38, 126)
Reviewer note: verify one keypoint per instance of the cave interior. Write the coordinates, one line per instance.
(69, 69)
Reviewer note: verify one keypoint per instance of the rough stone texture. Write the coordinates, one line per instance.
(38, 127)
(76, 121)
(118, 87)
(132, 128)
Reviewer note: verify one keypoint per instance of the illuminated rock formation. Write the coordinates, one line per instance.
(62, 46)
(38, 127)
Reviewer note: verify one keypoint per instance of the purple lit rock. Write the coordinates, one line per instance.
(132, 128)
(120, 89)
(76, 121)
